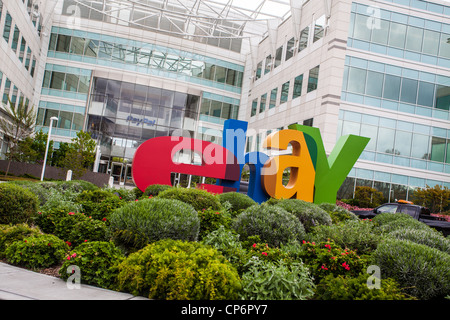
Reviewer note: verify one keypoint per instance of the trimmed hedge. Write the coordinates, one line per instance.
(17, 205)
(423, 271)
(199, 199)
(309, 214)
(272, 224)
(136, 224)
(237, 201)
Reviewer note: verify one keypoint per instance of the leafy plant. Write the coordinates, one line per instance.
(326, 258)
(348, 288)
(97, 260)
(426, 237)
(421, 270)
(136, 224)
(211, 220)
(36, 252)
(337, 213)
(389, 222)
(17, 205)
(77, 228)
(199, 199)
(437, 199)
(272, 224)
(368, 197)
(99, 204)
(177, 270)
(13, 233)
(154, 190)
(267, 280)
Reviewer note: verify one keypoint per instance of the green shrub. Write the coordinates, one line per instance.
(237, 201)
(227, 242)
(77, 228)
(136, 224)
(368, 197)
(348, 288)
(199, 199)
(211, 220)
(176, 270)
(17, 205)
(309, 214)
(12, 233)
(389, 222)
(423, 271)
(36, 252)
(97, 260)
(431, 239)
(155, 189)
(360, 235)
(272, 224)
(55, 208)
(337, 213)
(266, 280)
(326, 258)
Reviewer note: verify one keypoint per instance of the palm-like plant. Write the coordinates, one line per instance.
(17, 124)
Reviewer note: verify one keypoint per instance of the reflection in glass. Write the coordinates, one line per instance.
(313, 79)
(397, 35)
(391, 87)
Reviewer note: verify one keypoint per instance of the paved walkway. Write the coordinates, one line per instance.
(21, 284)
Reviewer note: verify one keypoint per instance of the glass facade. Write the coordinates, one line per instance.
(395, 88)
(123, 115)
(144, 57)
(399, 35)
(398, 142)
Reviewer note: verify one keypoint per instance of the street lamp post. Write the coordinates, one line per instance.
(46, 148)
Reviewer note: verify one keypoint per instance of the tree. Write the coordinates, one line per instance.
(32, 149)
(80, 154)
(17, 125)
(437, 199)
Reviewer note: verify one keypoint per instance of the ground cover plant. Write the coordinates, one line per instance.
(175, 243)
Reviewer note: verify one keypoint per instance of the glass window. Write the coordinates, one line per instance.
(403, 142)
(351, 128)
(206, 105)
(397, 35)
(290, 49)
(437, 149)
(361, 31)
(356, 80)
(278, 56)
(52, 43)
(430, 42)
(303, 40)
(391, 208)
(15, 38)
(231, 77)
(414, 39)
(380, 35)
(49, 114)
(444, 47)
(284, 92)
(298, 83)
(374, 86)
(63, 44)
(57, 81)
(262, 103)
(78, 121)
(226, 110)
(65, 120)
(268, 65)
(72, 82)
(40, 116)
(273, 98)
(372, 133)
(419, 147)
(77, 45)
(385, 141)
(313, 79)
(443, 97)
(319, 28)
(425, 94)
(220, 74)
(258, 70)
(84, 84)
(216, 108)
(7, 27)
(409, 90)
(254, 107)
(391, 87)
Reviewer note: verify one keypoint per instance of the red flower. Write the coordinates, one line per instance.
(104, 219)
(264, 253)
(85, 240)
(346, 266)
(254, 245)
(71, 213)
(217, 212)
(69, 243)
